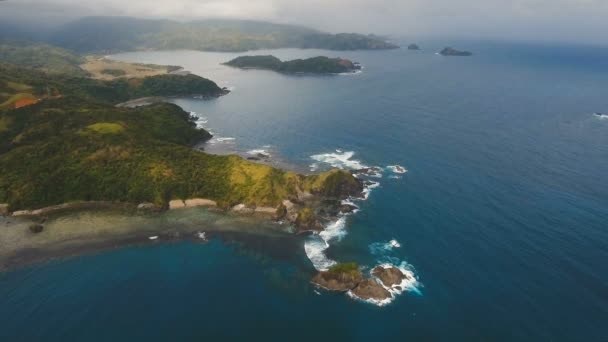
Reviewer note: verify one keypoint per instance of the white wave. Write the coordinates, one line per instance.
(335, 230)
(221, 140)
(340, 160)
(316, 245)
(370, 301)
(259, 152)
(354, 72)
(397, 169)
(409, 284)
(381, 248)
(315, 248)
(200, 121)
(394, 177)
(601, 116)
(367, 190)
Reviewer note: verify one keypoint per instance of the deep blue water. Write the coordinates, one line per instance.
(503, 213)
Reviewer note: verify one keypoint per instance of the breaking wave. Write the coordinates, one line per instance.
(338, 159)
(316, 245)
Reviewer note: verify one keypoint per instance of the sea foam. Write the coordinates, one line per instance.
(316, 245)
(340, 160)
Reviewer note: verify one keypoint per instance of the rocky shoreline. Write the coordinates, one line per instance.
(348, 278)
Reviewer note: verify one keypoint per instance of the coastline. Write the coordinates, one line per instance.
(80, 231)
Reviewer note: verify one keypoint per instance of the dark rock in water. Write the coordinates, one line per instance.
(347, 208)
(448, 51)
(341, 277)
(370, 289)
(36, 228)
(389, 276)
(281, 212)
(369, 171)
(413, 47)
(253, 158)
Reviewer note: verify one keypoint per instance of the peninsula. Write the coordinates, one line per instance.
(66, 144)
(315, 65)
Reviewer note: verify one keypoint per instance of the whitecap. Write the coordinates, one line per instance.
(221, 140)
(370, 301)
(259, 152)
(315, 248)
(601, 116)
(381, 248)
(409, 284)
(316, 245)
(340, 160)
(369, 186)
(397, 169)
(153, 237)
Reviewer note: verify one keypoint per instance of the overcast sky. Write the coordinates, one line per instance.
(583, 20)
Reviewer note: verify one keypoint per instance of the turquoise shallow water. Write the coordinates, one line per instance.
(502, 215)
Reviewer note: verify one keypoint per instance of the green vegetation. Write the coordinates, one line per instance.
(333, 184)
(75, 145)
(41, 57)
(109, 34)
(114, 72)
(350, 267)
(315, 65)
(106, 128)
(44, 85)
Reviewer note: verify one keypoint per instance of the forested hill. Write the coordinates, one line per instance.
(112, 34)
(23, 86)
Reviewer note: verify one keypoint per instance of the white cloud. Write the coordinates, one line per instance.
(534, 19)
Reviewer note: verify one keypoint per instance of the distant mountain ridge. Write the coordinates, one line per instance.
(114, 34)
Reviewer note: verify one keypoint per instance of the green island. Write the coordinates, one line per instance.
(315, 65)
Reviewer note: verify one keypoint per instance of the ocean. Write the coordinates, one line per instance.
(502, 217)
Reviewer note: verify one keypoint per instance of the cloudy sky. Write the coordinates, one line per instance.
(570, 20)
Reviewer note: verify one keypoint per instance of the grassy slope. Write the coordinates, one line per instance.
(81, 147)
(39, 85)
(41, 57)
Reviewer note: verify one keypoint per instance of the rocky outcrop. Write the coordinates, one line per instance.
(3, 209)
(36, 228)
(342, 277)
(191, 203)
(146, 206)
(448, 51)
(338, 184)
(389, 276)
(369, 289)
(413, 47)
(307, 221)
(242, 209)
